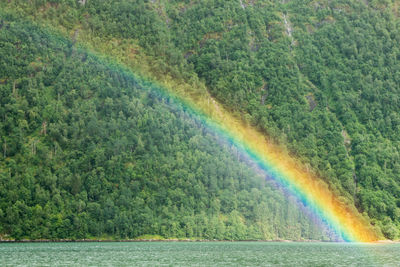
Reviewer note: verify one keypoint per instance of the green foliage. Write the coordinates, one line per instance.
(320, 77)
(89, 151)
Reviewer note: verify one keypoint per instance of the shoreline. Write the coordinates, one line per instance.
(178, 240)
(148, 240)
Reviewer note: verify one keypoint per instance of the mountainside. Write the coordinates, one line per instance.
(88, 150)
(319, 77)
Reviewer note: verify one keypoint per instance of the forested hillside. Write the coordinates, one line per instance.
(319, 77)
(90, 151)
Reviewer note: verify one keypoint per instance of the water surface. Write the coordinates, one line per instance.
(198, 254)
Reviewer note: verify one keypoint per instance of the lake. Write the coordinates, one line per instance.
(198, 254)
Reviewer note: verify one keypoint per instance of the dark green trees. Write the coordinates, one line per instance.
(328, 92)
(90, 151)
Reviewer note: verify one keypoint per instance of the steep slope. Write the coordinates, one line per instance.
(320, 77)
(91, 151)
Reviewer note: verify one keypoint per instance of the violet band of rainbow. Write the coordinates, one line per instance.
(339, 216)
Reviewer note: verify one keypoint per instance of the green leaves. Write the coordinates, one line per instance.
(93, 151)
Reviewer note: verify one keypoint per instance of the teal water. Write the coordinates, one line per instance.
(198, 254)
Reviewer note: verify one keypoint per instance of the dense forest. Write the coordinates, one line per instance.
(91, 151)
(319, 77)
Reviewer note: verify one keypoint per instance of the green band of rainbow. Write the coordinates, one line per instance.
(340, 217)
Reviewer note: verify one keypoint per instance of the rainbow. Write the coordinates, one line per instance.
(344, 219)
(339, 216)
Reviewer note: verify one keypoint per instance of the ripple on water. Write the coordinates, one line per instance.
(198, 254)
